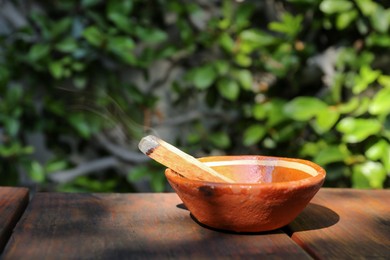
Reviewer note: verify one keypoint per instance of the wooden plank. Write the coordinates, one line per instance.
(136, 226)
(13, 201)
(345, 224)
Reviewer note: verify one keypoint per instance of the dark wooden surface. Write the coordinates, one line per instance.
(345, 224)
(132, 226)
(13, 201)
(337, 224)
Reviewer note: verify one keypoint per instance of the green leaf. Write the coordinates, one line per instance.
(381, 102)
(121, 21)
(27, 150)
(12, 126)
(252, 39)
(337, 86)
(275, 112)
(350, 106)
(156, 36)
(244, 77)
(381, 19)
(94, 36)
(228, 88)
(227, 14)
(123, 47)
(386, 159)
(384, 80)
(220, 140)
(254, 134)
(56, 69)
(123, 7)
(78, 121)
(304, 108)
(289, 25)
(36, 172)
(259, 111)
(38, 51)
(243, 60)
(368, 7)
(255, 36)
(269, 143)
(222, 67)
(377, 150)
(151, 35)
(68, 45)
(365, 78)
(61, 27)
(368, 175)
(325, 120)
(56, 165)
(78, 66)
(226, 42)
(166, 52)
(14, 149)
(203, 77)
(363, 106)
(375, 39)
(121, 44)
(243, 16)
(344, 19)
(285, 133)
(335, 6)
(331, 154)
(311, 149)
(356, 130)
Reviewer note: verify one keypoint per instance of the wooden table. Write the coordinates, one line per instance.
(337, 224)
(13, 202)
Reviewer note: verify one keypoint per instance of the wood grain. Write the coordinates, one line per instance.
(131, 226)
(13, 201)
(345, 224)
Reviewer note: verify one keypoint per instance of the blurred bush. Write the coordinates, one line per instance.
(82, 81)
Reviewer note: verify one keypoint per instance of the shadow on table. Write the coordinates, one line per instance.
(181, 206)
(313, 217)
(186, 240)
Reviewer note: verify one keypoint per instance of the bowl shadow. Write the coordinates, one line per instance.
(313, 217)
(181, 206)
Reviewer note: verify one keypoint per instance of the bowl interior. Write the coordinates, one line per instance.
(259, 169)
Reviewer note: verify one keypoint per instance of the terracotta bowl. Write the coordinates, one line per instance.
(268, 194)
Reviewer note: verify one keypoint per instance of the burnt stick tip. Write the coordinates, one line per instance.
(148, 144)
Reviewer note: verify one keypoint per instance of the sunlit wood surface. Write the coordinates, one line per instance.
(337, 224)
(345, 224)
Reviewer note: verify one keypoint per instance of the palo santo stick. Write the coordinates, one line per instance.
(178, 160)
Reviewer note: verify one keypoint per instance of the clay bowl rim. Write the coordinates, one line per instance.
(312, 180)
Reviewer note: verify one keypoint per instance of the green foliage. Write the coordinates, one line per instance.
(264, 87)
(202, 77)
